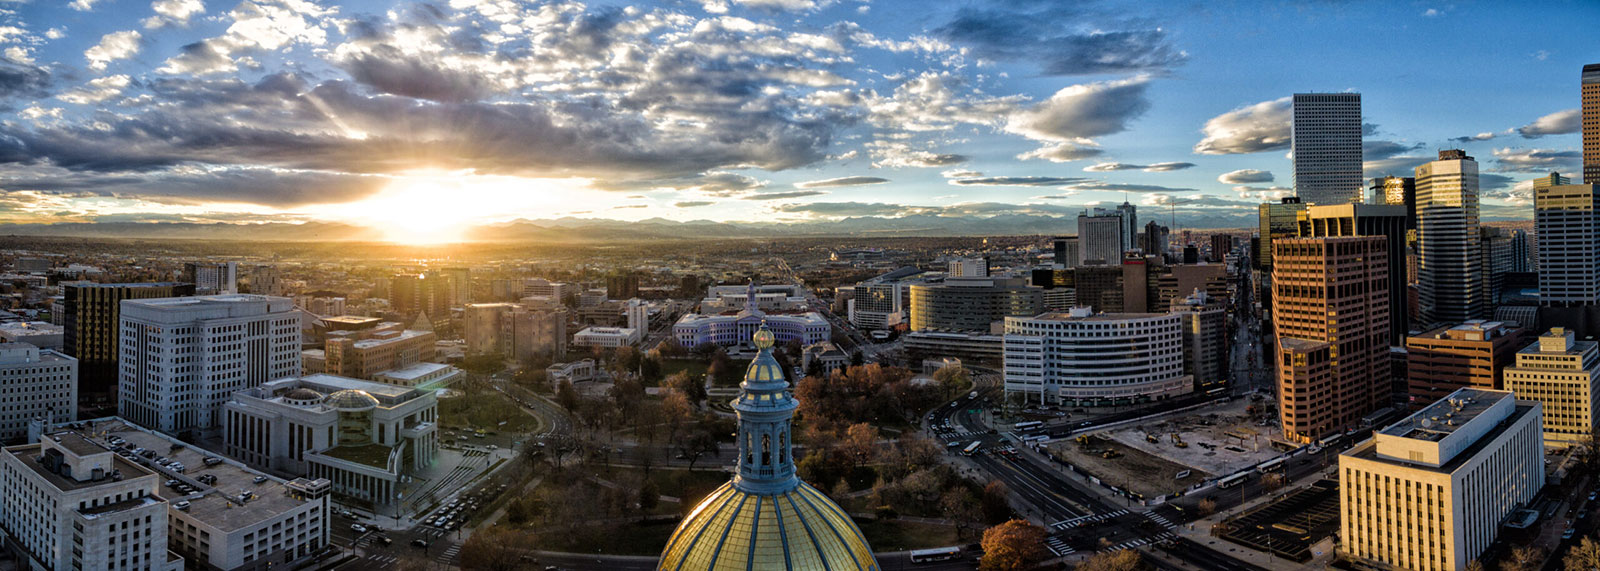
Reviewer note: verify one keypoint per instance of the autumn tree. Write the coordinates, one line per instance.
(952, 378)
(996, 505)
(860, 444)
(1207, 507)
(1523, 558)
(958, 505)
(1013, 546)
(692, 388)
(492, 549)
(1583, 556)
(566, 396)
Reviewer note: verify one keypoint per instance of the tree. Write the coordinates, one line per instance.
(856, 358)
(816, 468)
(1583, 556)
(1272, 481)
(649, 495)
(1119, 560)
(958, 505)
(693, 389)
(952, 378)
(697, 445)
(1013, 546)
(1207, 507)
(1523, 558)
(492, 549)
(995, 502)
(670, 348)
(860, 444)
(650, 370)
(566, 396)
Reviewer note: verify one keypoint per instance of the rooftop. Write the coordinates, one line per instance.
(1098, 317)
(216, 505)
(1300, 345)
(28, 454)
(374, 455)
(414, 371)
(378, 342)
(1368, 450)
(1444, 416)
(326, 383)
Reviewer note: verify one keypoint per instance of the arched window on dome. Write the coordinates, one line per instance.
(783, 446)
(749, 450)
(766, 450)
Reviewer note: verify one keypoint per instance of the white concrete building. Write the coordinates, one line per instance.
(361, 435)
(71, 504)
(37, 384)
(427, 376)
(233, 517)
(1086, 359)
(182, 357)
(37, 333)
(1429, 493)
(212, 278)
(610, 337)
(638, 313)
(768, 297)
(1563, 375)
(969, 267)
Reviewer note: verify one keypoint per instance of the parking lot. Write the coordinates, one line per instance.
(1290, 526)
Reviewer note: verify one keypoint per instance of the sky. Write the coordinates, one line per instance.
(431, 116)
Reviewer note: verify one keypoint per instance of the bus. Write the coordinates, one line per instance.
(1036, 438)
(1233, 480)
(936, 554)
(1029, 425)
(1331, 441)
(971, 448)
(1270, 465)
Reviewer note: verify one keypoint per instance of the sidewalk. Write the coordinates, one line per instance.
(1199, 531)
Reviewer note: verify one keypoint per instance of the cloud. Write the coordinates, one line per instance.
(112, 47)
(843, 209)
(1433, 13)
(97, 90)
(277, 188)
(1157, 167)
(1379, 149)
(960, 173)
(1254, 128)
(1017, 181)
(82, 5)
(1061, 153)
(784, 5)
(1123, 187)
(1536, 160)
(1403, 165)
(693, 203)
(258, 25)
(1203, 201)
(719, 183)
(1263, 194)
(1080, 112)
(1245, 176)
(1039, 33)
(783, 195)
(173, 12)
(22, 80)
(620, 207)
(1484, 136)
(842, 181)
(1558, 123)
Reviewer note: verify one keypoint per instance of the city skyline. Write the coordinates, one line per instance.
(420, 120)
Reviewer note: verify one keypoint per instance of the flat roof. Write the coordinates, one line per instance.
(414, 370)
(339, 383)
(1066, 316)
(1459, 408)
(1368, 450)
(403, 335)
(350, 319)
(1300, 345)
(197, 300)
(28, 454)
(217, 504)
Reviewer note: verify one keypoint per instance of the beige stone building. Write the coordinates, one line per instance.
(1562, 374)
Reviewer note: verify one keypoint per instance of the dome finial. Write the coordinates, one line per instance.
(763, 338)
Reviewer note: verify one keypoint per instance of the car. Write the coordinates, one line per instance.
(1567, 534)
(419, 543)
(358, 528)
(385, 540)
(1592, 496)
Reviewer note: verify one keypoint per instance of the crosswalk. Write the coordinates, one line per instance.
(1057, 546)
(380, 560)
(1163, 522)
(960, 434)
(448, 557)
(1088, 519)
(1143, 541)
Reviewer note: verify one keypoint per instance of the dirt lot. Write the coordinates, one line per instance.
(1134, 470)
(1221, 439)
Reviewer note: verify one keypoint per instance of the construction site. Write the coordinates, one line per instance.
(1174, 452)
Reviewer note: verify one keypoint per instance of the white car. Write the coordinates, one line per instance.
(358, 528)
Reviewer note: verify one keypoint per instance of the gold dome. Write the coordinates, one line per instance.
(796, 529)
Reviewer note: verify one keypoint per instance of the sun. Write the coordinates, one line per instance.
(427, 208)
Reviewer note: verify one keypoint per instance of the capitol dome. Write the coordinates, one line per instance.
(352, 399)
(302, 396)
(766, 518)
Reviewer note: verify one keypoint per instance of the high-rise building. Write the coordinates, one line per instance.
(264, 280)
(1101, 238)
(1130, 225)
(1495, 261)
(1563, 374)
(92, 318)
(415, 295)
(638, 315)
(1567, 220)
(1591, 123)
(514, 331)
(183, 356)
(1521, 252)
(972, 304)
(1429, 493)
(1081, 358)
(1066, 251)
(1205, 339)
(211, 278)
(40, 385)
(970, 267)
(1326, 145)
(1450, 284)
(1278, 220)
(1472, 354)
(1330, 305)
(460, 285)
(1387, 221)
(1398, 191)
(1153, 240)
(622, 285)
(1221, 246)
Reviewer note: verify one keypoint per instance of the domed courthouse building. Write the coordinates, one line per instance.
(766, 518)
(363, 436)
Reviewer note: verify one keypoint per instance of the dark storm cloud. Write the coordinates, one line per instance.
(1044, 33)
(271, 187)
(21, 81)
(1017, 181)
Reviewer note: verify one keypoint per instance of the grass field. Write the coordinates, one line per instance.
(894, 535)
(486, 410)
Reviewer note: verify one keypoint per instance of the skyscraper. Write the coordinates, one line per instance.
(1398, 190)
(1385, 220)
(1101, 237)
(1154, 239)
(1066, 251)
(1330, 303)
(1567, 220)
(1327, 147)
(92, 314)
(1278, 220)
(1130, 225)
(1591, 123)
(1449, 262)
(211, 278)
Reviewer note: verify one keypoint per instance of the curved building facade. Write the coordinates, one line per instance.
(972, 304)
(727, 330)
(1085, 359)
(766, 518)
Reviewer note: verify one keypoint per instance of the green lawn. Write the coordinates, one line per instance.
(486, 410)
(894, 535)
(645, 538)
(696, 368)
(369, 455)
